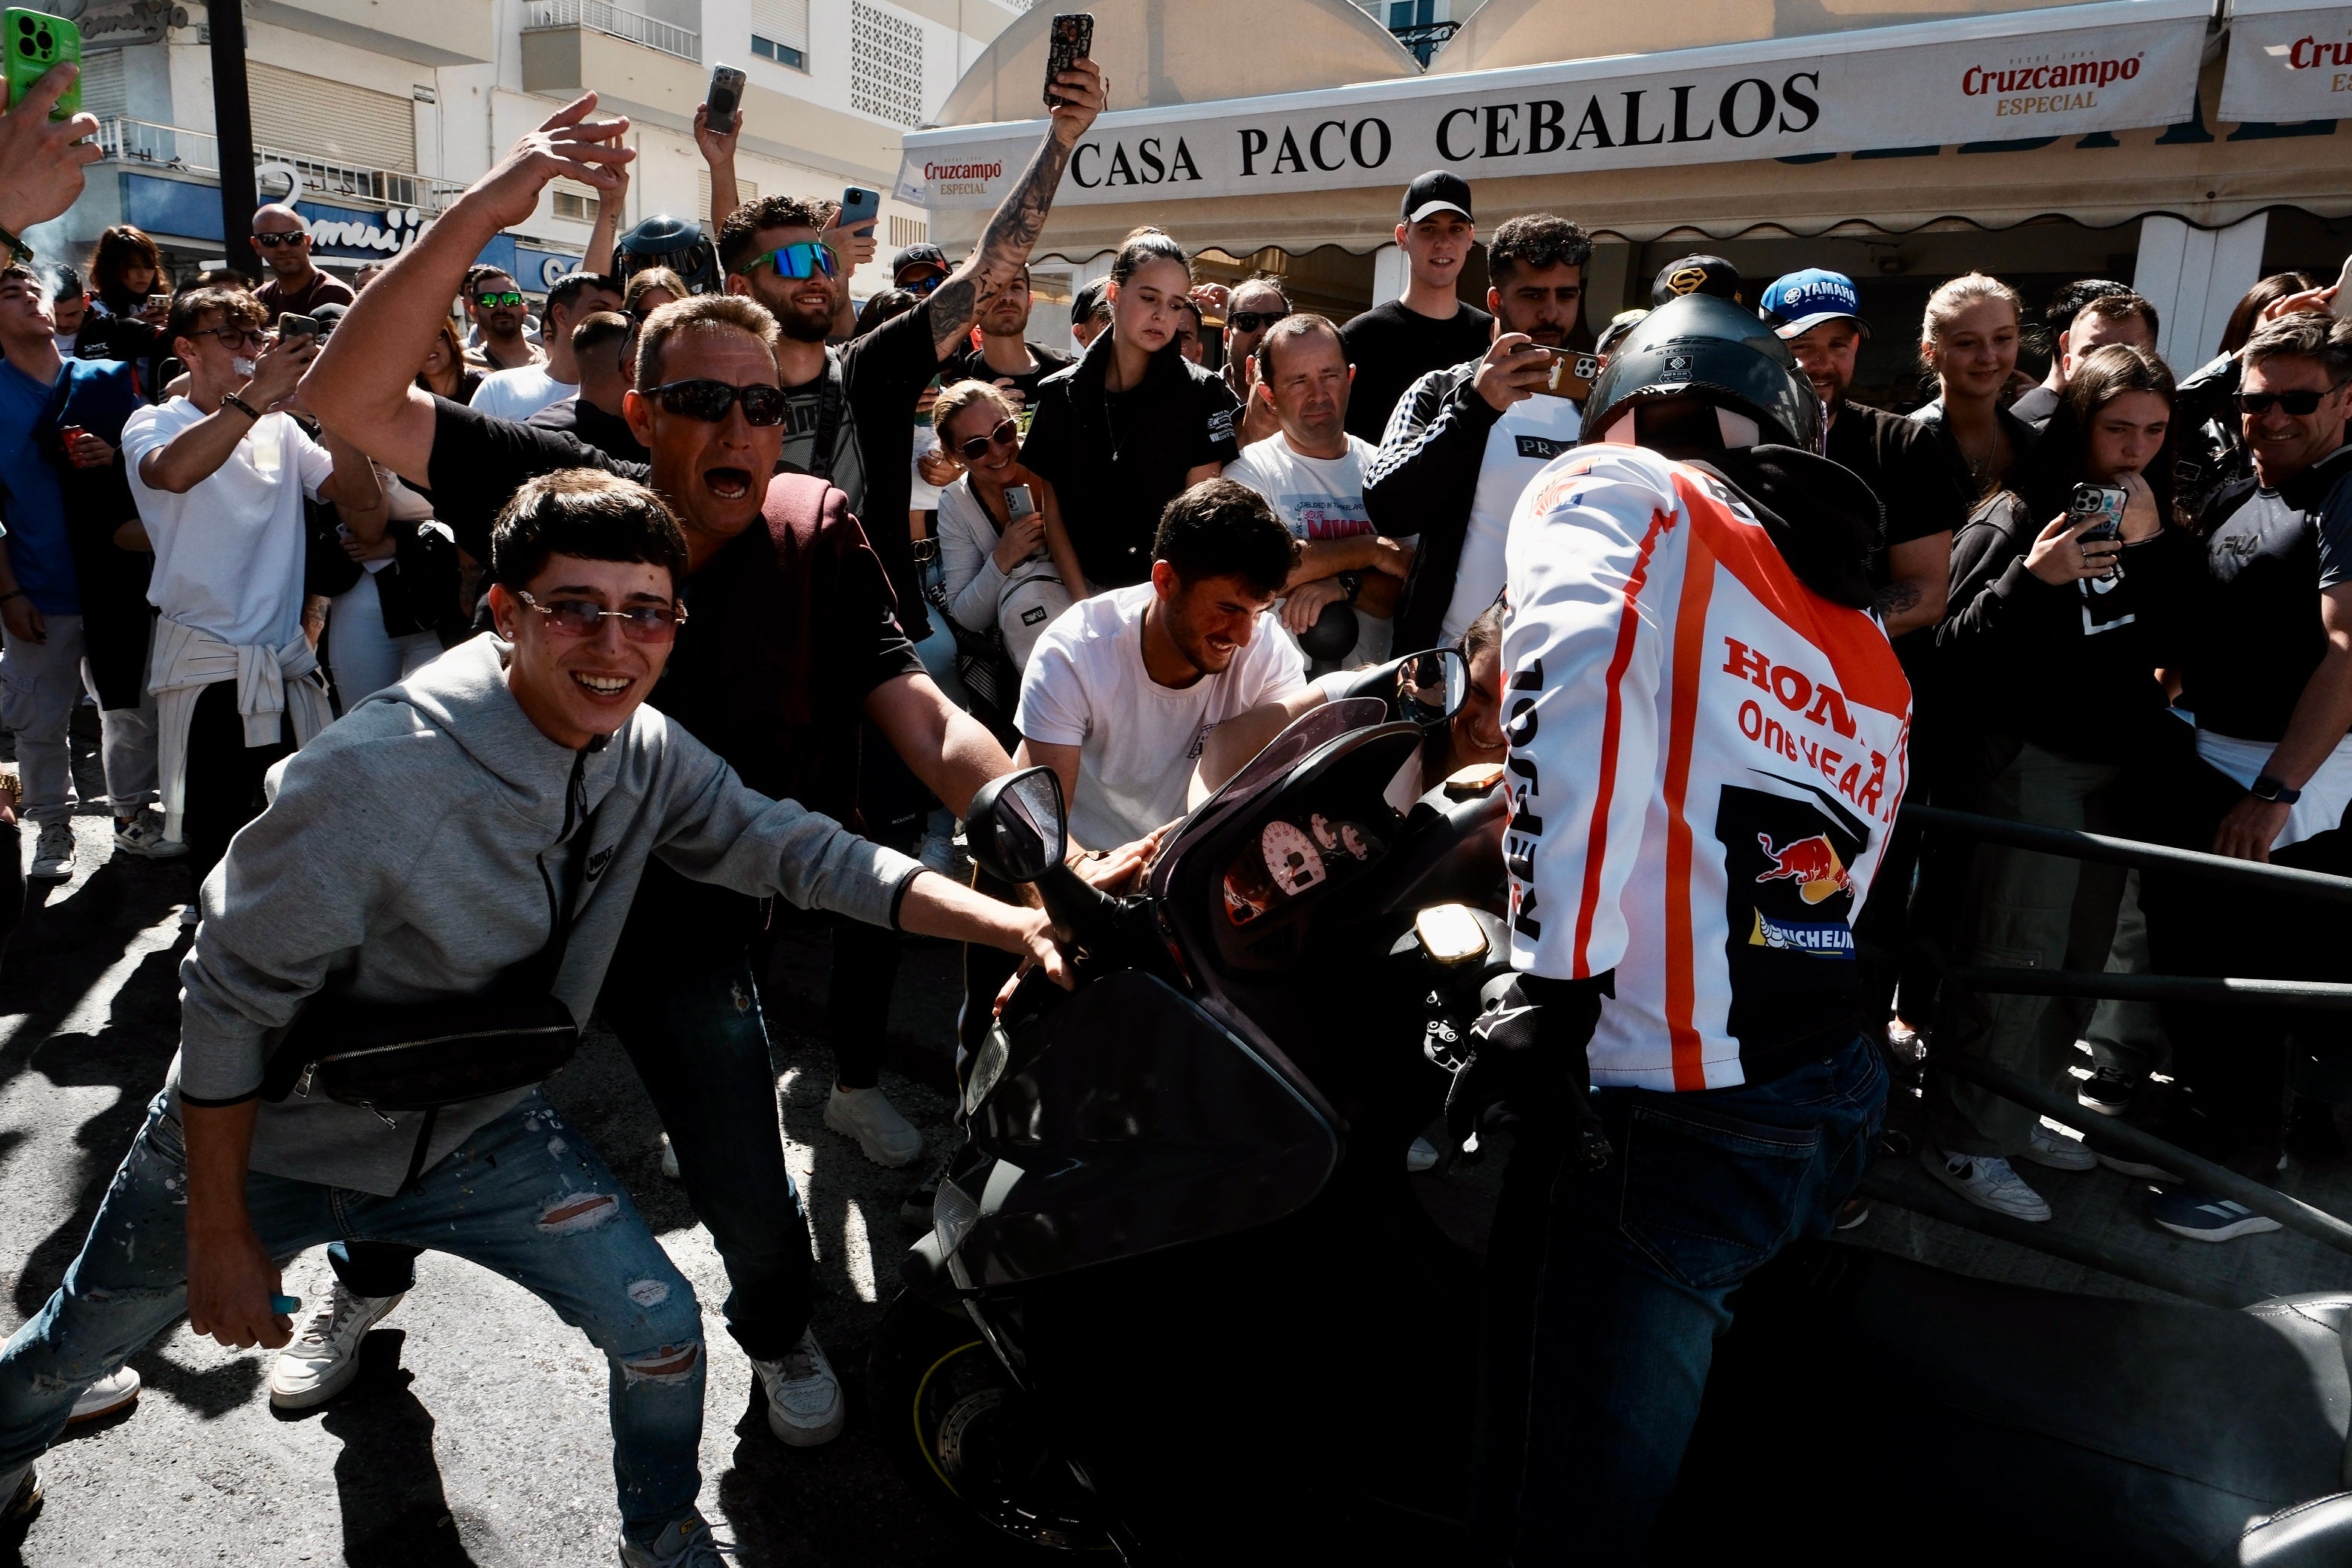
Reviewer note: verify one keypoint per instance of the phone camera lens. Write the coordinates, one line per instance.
(47, 42)
(25, 24)
(25, 46)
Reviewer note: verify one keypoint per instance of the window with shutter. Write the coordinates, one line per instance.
(103, 91)
(330, 122)
(745, 191)
(886, 66)
(906, 231)
(780, 31)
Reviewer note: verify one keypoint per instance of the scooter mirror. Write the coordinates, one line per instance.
(1014, 825)
(1431, 687)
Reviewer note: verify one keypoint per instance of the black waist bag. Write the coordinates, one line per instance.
(419, 1057)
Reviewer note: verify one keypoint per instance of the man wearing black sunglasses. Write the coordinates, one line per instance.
(854, 407)
(296, 286)
(2267, 674)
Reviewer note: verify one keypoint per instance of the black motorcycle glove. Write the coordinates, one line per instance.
(1526, 1052)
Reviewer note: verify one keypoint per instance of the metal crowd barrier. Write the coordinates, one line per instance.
(2107, 1133)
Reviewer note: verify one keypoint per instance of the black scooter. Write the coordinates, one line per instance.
(1182, 1304)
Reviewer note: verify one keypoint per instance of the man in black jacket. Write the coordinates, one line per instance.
(1466, 441)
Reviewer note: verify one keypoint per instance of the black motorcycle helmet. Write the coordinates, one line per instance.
(1710, 349)
(672, 242)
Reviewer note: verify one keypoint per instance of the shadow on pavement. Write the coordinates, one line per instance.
(395, 1511)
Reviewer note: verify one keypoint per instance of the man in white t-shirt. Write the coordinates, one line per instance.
(1122, 687)
(220, 476)
(1312, 474)
(519, 392)
(1464, 442)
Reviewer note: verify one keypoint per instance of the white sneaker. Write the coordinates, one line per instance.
(683, 1542)
(107, 1395)
(190, 914)
(669, 1160)
(868, 1115)
(1986, 1182)
(53, 856)
(2048, 1147)
(804, 1404)
(143, 836)
(325, 1356)
(1422, 1156)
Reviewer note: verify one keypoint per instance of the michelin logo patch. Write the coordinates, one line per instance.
(1823, 939)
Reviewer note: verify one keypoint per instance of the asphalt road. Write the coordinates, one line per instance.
(478, 1433)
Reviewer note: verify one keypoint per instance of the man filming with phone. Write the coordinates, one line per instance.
(1466, 441)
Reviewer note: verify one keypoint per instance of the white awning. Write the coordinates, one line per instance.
(2070, 71)
(2289, 60)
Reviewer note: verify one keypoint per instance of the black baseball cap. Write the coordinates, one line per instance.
(918, 256)
(1088, 304)
(1440, 190)
(1696, 275)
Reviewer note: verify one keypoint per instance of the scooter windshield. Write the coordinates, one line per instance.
(1307, 733)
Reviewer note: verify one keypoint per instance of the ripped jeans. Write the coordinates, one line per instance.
(525, 1197)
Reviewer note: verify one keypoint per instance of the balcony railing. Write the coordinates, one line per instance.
(136, 142)
(545, 15)
(1422, 41)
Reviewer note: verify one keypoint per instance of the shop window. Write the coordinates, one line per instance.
(886, 66)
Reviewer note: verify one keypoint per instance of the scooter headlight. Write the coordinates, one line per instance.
(987, 1070)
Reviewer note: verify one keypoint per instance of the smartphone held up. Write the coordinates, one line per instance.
(37, 42)
(723, 101)
(1072, 40)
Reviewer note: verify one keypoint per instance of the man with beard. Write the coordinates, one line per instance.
(494, 300)
(1466, 441)
(792, 644)
(1122, 690)
(1005, 359)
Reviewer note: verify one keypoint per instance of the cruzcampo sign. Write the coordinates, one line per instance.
(2063, 71)
(2289, 60)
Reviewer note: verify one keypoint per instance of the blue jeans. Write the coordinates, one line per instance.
(700, 1046)
(525, 1197)
(1605, 1292)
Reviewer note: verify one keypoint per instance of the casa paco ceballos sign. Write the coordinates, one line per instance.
(1938, 83)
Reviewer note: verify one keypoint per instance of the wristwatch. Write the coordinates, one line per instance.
(1351, 584)
(2265, 787)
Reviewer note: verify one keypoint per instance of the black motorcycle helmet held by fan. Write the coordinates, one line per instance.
(676, 243)
(1698, 352)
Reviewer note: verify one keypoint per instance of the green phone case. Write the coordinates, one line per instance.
(37, 41)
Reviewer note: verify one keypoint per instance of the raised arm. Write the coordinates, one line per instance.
(196, 453)
(603, 237)
(1004, 246)
(362, 385)
(355, 490)
(718, 151)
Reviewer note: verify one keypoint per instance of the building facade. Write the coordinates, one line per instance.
(374, 114)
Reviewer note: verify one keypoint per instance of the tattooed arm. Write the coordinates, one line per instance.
(1921, 571)
(1003, 248)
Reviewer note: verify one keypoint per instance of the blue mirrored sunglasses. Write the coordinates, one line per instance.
(807, 259)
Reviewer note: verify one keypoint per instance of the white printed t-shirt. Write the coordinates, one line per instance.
(519, 392)
(228, 551)
(1317, 499)
(1139, 741)
(1530, 434)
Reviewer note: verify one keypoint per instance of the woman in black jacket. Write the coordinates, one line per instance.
(2050, 653)
(1134, 424)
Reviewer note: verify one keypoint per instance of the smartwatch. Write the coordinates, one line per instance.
(2265, 787)
(1351, 584)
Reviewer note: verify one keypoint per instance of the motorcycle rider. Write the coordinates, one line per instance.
(1708, 732)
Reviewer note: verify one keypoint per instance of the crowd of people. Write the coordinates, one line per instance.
(777, 583)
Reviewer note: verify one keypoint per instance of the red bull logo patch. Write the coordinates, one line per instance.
(1811, 863)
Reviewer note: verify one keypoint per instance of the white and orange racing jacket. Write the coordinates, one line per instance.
(1706, 757)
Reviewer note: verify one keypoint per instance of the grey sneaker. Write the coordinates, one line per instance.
(804, 1404)
(142, 835)
(683, 1543)
(889, 1138)
(321, 1361)
(1986, 1182)
(110, 1394)
(53, 856)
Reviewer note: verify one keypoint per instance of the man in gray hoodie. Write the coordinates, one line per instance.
(449, 830)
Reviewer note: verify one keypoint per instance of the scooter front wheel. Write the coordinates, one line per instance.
(963, 1432)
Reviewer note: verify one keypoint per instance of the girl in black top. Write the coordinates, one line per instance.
(1134, 424)
(1968, 342)
(2051, 651)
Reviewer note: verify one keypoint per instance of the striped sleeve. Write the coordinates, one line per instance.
(1586, 650)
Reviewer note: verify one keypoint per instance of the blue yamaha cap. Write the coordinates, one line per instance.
(1800, 302)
